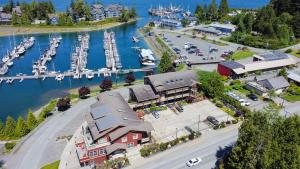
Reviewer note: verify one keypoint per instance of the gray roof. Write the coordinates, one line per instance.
(172, 80)
(208, 29)
(275, 83)
(294, 76)
(275, 55)
(116, 146)
(143, 92)
(231, 64)
(111, 112)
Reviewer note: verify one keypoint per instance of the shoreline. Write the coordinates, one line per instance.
(8, 30)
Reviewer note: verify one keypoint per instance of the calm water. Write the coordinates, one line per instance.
(17, 98)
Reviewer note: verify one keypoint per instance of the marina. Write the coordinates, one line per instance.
(111, 52)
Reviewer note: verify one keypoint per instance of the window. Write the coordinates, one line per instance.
(95, 153)
(101, 152)
(135, 136)
(129, 145)
(102, 140)
(91, 154)
(124, 139)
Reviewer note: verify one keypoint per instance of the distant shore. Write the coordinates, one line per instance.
(7, 30)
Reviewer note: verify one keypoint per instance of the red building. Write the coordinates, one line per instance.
(111, 127)
(226, 68)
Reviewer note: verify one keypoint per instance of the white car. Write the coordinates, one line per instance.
(244, 102)
(194, 162)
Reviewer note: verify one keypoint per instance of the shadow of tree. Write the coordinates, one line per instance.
(221, 153)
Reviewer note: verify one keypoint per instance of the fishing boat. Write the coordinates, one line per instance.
(146, 57)
(10, 63)
(3, 69)
(20, 49)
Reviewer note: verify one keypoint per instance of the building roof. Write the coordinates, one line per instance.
(143, 92)
(275, 83)
(275, 55)
(294, 76)
(223, 26)
(5, 16)
(208, 29)
(231, 64)
(257, 86)
(172, 80)
(116, 146)
(264, 65)
(112, 112)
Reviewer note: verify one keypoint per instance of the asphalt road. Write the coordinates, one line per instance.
(208, 147)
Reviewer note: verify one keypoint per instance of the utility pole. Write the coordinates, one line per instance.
(199, 123)
(176, 132)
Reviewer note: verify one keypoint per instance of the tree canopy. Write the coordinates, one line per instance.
(211, 83)
(165, 64)
(266, 140)
(106, 84)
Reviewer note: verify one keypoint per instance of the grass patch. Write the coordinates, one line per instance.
(9, 146)
(242, 54)
(291, 98)
(296, 53)
(53, 165)
(180, 67)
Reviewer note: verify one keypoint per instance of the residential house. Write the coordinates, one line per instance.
(17, 10)
(111, 127)
(98, 12)
(164, 88)
(114, 10)
(294, 77)
(5, 18)
(53, 19)
(262, 87)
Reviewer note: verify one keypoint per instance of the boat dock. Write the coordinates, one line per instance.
(100, 72)
(39, 67)
(79, 56)
(111, 52)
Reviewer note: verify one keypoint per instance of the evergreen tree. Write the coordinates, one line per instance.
(165, 64)
(296, 25)
(223, 8)
(200, 14)
(213, 11)
(10, 126)
(211, 83)
(130, 78)
(69, 21)
(1, 128)
(21, 127)
(106, 84)
(248, 22)
(15, 19)
(32, 122)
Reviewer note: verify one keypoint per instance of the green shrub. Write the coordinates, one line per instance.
(222, 125)
(9, 145)
(289, 51)
(163, 146)
(234, 121)
(219, 104)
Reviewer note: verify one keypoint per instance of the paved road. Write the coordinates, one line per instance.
(206, 148)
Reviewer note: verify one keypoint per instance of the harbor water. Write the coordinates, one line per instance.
(17, 98)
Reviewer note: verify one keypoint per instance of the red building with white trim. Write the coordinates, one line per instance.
(111, 127)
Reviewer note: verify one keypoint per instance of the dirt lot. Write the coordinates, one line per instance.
(169, 122)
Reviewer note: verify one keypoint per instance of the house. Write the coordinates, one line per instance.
(164, 88)
(5, 18)
(53, 19)
(114, 10)
(110, 128)
(17, 10)
(38, 22)
(97, 11)
(235, 70)
(277, 84)
(171, 24)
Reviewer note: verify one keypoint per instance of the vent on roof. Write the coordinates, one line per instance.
(125, 118)
(120, 110)
(110, 94)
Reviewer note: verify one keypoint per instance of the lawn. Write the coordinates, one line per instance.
(296, 53)
(242, 54)
(53, 165)
(291, 98)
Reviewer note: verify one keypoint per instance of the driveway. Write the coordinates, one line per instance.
(170, 124)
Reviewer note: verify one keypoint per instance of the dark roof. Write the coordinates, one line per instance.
(143, 92)
(172, 80)
(231, 64)
(275, 83)
(275, 55)
(116, 146)
(111, 112)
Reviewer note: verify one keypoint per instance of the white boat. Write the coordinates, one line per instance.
(49, 59)
(76, 76)
(3, 70)
(90, 75)
(135, 39)
(10, 63)
(59, 77)
(147, 58)
(21, 50)
(5, 58)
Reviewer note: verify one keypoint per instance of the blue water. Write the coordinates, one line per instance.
(18, 98)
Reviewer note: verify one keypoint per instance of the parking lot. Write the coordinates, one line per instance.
(207, 52)
(169, 124)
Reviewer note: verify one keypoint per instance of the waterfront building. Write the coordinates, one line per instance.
(207, 30)
(235, 70)
(111, 127)
(114, 10)
(53, 19)
(171, 24)
(17, 10)
(97, 11)
(224, 28)
(164, 88)
(5, 18)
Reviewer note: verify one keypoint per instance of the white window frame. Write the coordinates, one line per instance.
(91, 154)
(135, 136)
(124, 139)
(131, 144)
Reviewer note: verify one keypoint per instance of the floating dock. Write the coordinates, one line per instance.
(111, 52)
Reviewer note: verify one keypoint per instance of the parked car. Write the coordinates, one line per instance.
(178, 36)
(155, 114)
(179, 108)
(253, 97)
(213, 120)
(213, 49)
(244, 102)
(194, 161)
